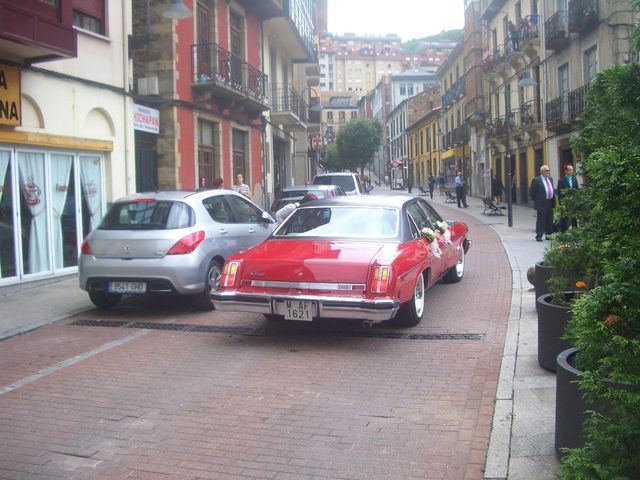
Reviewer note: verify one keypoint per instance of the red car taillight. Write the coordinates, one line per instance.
(187, 244)
(229, 274)
(85, 249)
(380, 279)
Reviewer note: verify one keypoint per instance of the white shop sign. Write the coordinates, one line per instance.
(146, 119)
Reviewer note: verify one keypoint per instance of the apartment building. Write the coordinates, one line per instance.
(337, 110)
(424, 147)
(539, 58)
(512, 65)
(581, 37)
(402, 172)
(66, 129)
(356, 63)
(232, 87)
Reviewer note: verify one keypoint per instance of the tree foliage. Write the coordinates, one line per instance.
(357, 143)
(606, 320)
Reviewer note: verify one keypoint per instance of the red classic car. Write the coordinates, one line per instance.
(367, 257)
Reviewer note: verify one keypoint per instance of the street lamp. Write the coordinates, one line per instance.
(525, 81)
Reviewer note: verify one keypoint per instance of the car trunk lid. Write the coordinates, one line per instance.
(310, 261)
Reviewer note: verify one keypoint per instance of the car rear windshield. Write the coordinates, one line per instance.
(344, 181)
(341, 222)
(148, 215)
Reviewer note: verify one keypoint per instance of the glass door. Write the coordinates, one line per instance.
(8, 248)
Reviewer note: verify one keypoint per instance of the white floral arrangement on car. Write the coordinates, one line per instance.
(431, 237)
(443, 228)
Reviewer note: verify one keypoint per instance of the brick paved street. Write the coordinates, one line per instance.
(255, 399)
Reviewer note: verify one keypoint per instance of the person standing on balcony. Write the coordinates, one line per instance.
(542, 194)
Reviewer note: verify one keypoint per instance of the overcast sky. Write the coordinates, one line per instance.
(407, 18)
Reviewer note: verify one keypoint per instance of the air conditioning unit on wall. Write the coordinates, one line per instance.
(148, 86)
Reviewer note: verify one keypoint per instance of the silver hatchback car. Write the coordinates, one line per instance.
(168, 243)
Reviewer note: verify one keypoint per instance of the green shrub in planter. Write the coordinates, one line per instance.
(606, 320)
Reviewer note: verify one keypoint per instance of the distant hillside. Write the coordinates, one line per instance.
(415, 45)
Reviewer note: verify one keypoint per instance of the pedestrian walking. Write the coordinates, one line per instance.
(496, 189)
(431, 181)
(542, 194)
(240, 186)
(461, 197)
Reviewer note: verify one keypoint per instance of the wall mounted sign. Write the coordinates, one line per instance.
(146, 119)
(10, 111)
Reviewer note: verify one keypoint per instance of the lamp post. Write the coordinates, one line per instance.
(507, 123)
(525, 81)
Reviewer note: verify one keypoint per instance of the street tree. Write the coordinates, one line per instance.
(331, 158)
(357, 143)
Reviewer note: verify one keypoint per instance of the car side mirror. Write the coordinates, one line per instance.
(266, 218)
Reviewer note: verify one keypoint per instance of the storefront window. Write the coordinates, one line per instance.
(90, 177)
(7, 245)
(64, 212)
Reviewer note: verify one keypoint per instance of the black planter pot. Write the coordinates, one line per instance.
(552, 320)
(571, 408)
(543, 274)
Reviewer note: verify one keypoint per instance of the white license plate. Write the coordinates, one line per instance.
(296, 310)
(127, 287)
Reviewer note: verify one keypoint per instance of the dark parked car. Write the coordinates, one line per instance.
(297, 192)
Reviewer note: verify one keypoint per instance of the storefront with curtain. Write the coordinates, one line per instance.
(49, 201)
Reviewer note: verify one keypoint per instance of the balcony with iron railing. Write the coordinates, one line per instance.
(556, 31)
(219, 73)
(557, 114)
(577, 102)
(287, 107)
(494, 60)
(456, 91)
(563, 112)
(460, 134)
(530, 115)
(583, 15)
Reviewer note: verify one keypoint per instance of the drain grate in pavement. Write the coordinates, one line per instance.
(262, 332)
(100, 323)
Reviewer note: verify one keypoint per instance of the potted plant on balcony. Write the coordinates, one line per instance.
(605, 326)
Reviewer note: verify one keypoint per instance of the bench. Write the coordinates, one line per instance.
(490, 208)
(450, 197)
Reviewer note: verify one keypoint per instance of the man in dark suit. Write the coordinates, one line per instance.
(542, 194)
(569, 181)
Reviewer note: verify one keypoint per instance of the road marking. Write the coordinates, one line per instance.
(70, 361)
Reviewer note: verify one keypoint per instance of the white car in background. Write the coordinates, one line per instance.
(168, 243)
(350, 182)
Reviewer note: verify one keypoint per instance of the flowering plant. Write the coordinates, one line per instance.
(442, 227)
(429, 234)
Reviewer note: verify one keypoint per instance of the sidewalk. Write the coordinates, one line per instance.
(521, 443)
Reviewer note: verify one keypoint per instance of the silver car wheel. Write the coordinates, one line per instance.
(213, 277)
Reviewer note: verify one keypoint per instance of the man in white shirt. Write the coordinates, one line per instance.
(241, 187)
(461, 196)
